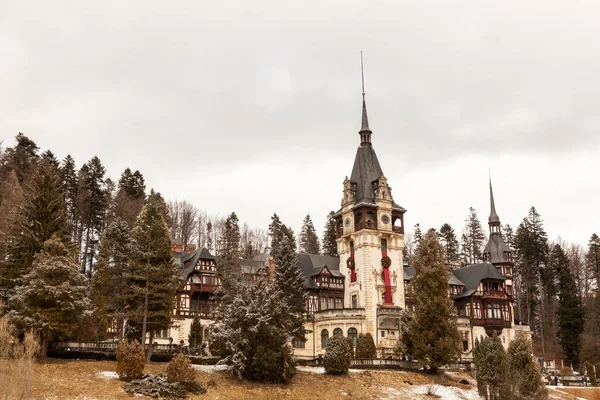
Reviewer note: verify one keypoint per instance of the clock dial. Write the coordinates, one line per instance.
(347, 222)
(385, 219)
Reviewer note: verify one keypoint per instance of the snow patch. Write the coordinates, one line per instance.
(448, 392)
(209, 369)
(108, 375)
(313, 370)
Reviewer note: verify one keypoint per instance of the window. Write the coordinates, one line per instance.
(338, 331)
(383, 247)
(382, 334)
(489, 314)
(298, 343)
(353, 334)
(324, 338)
(354, 301)
(162, 334)
(383, 297)
(497, 312)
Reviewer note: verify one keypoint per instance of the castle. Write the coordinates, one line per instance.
(365, 289)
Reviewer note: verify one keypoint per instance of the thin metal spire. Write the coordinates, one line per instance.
(494, 218)
(362, 75)
(365, 131)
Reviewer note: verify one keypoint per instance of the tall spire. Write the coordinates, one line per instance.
(494, 218)
(365, 131)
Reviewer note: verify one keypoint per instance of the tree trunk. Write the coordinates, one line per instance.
(150, 347)
(145, 318)
(43, 342)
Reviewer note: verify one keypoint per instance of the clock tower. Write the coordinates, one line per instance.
(370, 231)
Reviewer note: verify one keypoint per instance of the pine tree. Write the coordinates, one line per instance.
(153, 278)
(41, 216)
(532, 251)
(130, 196)
(570, 313)
(290, 281)
(52, 298)
(433, 330)
(252, 331)
(491, 362)
(451, 245)
(590, 351)
(93, 201)
(330, 237)
(417, 236)
(473, 238)
(22, 159)
(309, 241)
(525, 377)
(195, 336)
(50, 158)
(108, 288)
(508, 236)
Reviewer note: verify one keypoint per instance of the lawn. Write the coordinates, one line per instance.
(74, 379)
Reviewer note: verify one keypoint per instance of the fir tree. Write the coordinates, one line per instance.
(50, 158)
(451, 245)
(130, 196)
(52, 299)
(108, 288)
(290, 281)
(195, 336)
(41, 216)
(12, 201)
(508, 236)
(491, 362)
(590, 351)
(330, 237)
(252, 332)
(365, 346)
(68, 178)
(433, 330)
(229, 262)
(153, 277)
(592, 258)
(275, 232)
(309, 241)
(570, 313)
(337, 355)
(525, 377)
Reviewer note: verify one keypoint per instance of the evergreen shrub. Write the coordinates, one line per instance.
(365, 346)
(337, 356)
(180, 370)
(130, 360)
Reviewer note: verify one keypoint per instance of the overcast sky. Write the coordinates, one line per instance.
(254, 106)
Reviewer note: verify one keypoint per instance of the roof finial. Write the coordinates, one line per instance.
(365, 131)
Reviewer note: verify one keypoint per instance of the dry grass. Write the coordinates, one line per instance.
(73, 379)
(16, 363)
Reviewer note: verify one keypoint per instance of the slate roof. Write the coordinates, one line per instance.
(496, 248)
(471, 277)
(493, 218)
(188, 261)
(410, 272)
(312, 264)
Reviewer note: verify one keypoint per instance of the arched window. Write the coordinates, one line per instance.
(338, 331)
(324, 338)
(353, 334)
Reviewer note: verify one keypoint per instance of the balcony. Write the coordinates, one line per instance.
(365, 225)
(398, 229)
(493, 294)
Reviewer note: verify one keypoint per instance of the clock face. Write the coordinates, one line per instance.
(347, 222)
(385, 219)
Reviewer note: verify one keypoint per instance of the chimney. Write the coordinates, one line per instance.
(190, 248)
(177, 247)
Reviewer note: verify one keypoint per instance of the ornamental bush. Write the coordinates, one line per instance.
(180, 370)
(365, 346)
(337, 355)
(130, 360)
